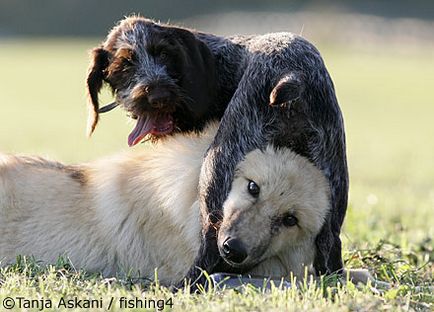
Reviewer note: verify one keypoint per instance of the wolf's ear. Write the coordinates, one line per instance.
(95, 78)
(288, 89)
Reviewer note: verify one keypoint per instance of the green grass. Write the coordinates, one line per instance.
(387, 98)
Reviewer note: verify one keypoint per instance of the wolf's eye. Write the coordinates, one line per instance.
(253, 188)
(289, 220)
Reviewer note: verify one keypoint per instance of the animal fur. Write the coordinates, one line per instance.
(266, 89)
(284, 98)
(138, 211)
(162, 76)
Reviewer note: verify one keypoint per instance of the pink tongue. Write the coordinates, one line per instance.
(144, 125)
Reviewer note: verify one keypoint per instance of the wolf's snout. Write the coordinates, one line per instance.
(234, 250)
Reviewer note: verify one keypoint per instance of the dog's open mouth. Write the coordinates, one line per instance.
(157, 125)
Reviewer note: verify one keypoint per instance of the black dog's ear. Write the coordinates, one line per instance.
(95, 78)
(199, 73)
(288, 89)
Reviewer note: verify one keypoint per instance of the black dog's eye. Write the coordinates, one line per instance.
(253, 189)
(127, 61)
(289, 220)
(163, 55)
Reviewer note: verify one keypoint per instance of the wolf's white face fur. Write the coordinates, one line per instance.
(284, 214)
(138, 211)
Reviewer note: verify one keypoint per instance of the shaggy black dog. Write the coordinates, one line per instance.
(285, 97)
(271, 88)
(163, 76)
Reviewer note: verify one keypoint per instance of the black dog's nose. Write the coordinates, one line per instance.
(234, 250)
(158, 97)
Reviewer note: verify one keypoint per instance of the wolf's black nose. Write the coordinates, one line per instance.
(234, 250)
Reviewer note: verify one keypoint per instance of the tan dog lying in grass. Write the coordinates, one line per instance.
(138, 211)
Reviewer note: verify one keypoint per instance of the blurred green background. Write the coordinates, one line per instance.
(380, 55)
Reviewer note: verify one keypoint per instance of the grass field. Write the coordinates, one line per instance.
(387, 98)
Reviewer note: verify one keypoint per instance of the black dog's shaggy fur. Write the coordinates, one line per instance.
(275, 88)
(287, 73)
